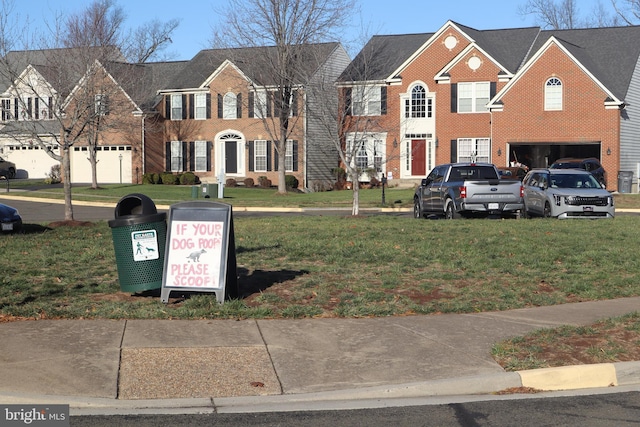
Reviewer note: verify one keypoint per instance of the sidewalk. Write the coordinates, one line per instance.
(124, 366)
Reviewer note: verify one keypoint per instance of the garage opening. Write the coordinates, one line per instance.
(541, 155)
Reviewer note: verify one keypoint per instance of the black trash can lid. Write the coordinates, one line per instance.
(135, 204)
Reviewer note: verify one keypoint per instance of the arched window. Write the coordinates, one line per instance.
(230, 110)
(418, 102)
(553, 94)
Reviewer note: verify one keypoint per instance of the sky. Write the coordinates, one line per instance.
(198, 17)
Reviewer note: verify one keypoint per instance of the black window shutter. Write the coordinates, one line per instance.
(383, 100)
(191, 105)
(454, 151)
(294, 103)
(192, 156)
(347, 101)
(208, 106)
(239, 106)
(167, 107)
(184, 107)
(269, 156)
(454, 97)
(167, 156)
(492, 90)
(295, 156)
(209, 148)
(269, 101)
(184, 155)
(250, 106)
(51, 107)
(252, 166)
(36, 108)
(220, 106)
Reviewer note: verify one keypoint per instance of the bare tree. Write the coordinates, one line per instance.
(564, 14)
(552, 14)
(627, 10)
(289, 26)
(356, 134)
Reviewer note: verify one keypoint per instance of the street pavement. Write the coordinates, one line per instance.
(179, 366)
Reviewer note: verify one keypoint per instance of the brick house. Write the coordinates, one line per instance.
(42, 94)
(217, 114)
(500, 96)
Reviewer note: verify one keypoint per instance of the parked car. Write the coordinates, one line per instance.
(7, 169)
(462, 189)
(565, 193)
(590, 164)
(10, 219)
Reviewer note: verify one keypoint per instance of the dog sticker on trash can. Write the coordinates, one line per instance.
(200, 250)
(145, 245)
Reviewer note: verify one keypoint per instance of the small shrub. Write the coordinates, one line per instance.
(168, 178)
(231, 182)
(54, 176)
(374, 182)
(291, 181)
(264, 182)
(248, 182)
(188, 178)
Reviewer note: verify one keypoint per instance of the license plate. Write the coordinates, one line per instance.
(494, 206)
(587, 209)
(7, 227)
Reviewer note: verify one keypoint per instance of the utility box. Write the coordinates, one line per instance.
(200, 251)
(139, 235)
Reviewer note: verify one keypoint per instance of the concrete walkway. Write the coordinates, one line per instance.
(123, 366)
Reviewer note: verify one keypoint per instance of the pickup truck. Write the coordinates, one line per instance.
(464, 189)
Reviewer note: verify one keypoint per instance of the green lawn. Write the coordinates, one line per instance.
(340, 266)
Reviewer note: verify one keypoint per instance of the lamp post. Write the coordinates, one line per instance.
(383, 180)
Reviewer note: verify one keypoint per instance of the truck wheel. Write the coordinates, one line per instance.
(547, 210)
(417, 209)
(450, 211)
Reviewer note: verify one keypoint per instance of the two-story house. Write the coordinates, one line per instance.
(502, 96)
(80, 97)
(220, 116)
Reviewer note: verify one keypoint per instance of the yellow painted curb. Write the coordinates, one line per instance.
(570, 377)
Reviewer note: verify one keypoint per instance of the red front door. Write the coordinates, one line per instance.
(418, 157)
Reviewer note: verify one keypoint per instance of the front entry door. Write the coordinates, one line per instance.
(231, 157)
(418, 157)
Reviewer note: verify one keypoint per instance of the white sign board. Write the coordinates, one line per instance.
(200, 250)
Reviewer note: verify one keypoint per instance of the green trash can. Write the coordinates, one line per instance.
(139, 235)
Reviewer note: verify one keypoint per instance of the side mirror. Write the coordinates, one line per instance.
(425, 182)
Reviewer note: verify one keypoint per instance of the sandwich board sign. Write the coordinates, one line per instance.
(200, 251)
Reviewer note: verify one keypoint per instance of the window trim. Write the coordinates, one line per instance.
(230, 106)
(553, 94)
(200, 111)
(478, 150)
(176, 107)
(258, 146)
(203, 157)
(474, 97)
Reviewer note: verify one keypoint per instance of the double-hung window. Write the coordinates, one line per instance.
(229, 106)
(288, 156)
(260, 155)
(176, 156)
(473, 97)
(176, 107)
(200, 154)
(367, 101)
(200, 101)
(260, 104)
(473, 150)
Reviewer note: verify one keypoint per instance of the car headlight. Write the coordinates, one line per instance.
(558, 199)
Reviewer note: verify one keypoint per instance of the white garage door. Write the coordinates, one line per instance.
(114, 165)
(32, 161)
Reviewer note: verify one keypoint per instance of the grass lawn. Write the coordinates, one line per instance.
(339, 266)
